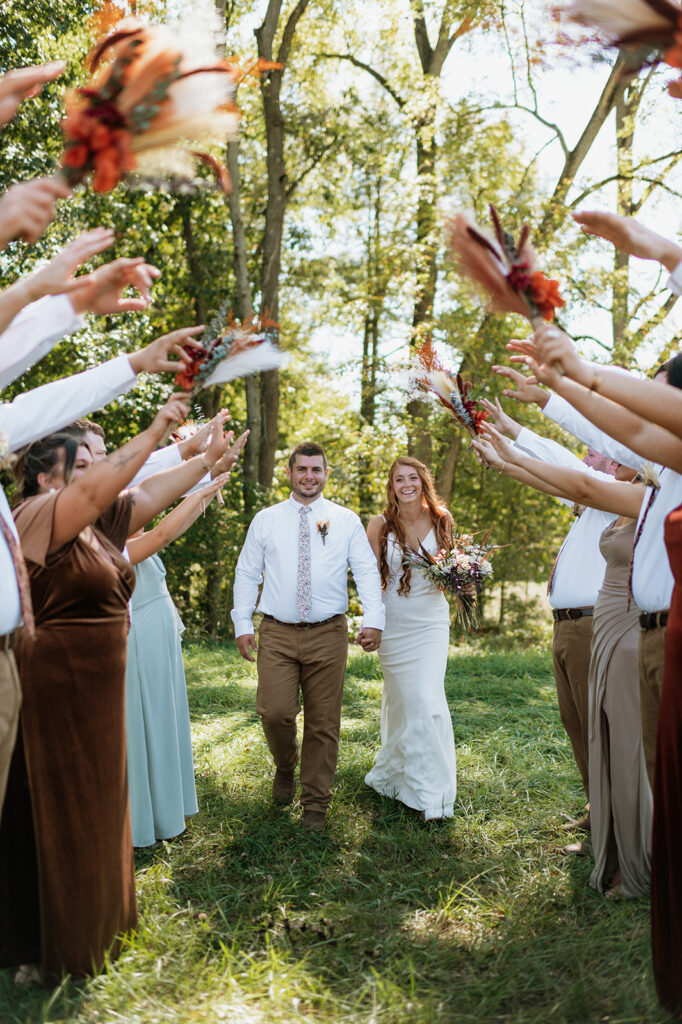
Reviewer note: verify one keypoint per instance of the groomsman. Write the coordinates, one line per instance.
(300, 550)
(574, 583)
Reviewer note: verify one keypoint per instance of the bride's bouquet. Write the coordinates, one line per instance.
(461, 572)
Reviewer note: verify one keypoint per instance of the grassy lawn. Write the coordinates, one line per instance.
(384, 919)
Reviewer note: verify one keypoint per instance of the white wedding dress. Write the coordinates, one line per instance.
(416, 763)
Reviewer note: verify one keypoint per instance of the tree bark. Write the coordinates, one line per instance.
(270, 85)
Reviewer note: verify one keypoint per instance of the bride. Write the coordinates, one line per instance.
(416, 763)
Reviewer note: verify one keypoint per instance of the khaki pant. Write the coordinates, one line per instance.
(571, 649)
(10, 702)
(312, 661)
(651, 662)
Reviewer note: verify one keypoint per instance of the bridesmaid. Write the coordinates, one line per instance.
(416, 763)
(67, 887)
(159, 742)
(621, 806)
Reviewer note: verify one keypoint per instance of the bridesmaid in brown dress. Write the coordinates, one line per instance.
(67, 889)
(621, 805)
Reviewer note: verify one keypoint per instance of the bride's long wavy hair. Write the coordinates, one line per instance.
(441, 520)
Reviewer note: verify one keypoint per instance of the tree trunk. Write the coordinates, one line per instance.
(270, 86)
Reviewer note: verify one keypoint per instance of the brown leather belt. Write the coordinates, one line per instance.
(652, 620)
(9, 641)
(561, 614)
(302, 625)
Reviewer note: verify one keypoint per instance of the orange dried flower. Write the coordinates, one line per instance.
(544, 292)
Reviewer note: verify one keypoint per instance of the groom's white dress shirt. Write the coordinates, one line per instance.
(270, 555)
(580, 566)
(33, 332)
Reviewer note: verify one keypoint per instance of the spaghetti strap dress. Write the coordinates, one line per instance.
(67, 883)
(621, 804)
(416, 763)
(160, 766)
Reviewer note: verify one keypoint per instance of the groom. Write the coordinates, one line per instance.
(301, 549)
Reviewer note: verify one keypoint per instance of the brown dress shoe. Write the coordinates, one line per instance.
(283, 786)
(314, 821)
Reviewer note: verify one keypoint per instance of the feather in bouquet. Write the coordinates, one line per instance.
(649, 30)
(429, 375)
(235, 350)
(461, 572)
(505, 268)
(149, 104)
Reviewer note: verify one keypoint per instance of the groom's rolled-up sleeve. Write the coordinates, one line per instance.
(248, 577)
(363, 566)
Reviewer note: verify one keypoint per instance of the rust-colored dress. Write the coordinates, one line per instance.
(666, 860)
(67, 884)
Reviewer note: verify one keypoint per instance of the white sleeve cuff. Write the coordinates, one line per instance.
(674, 282)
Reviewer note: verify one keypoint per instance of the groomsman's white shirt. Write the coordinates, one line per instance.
(35, 330)
(580, 566)
(652, 579)
(270, 554)
(36, 414)
(563, 413)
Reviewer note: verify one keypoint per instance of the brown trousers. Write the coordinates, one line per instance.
(651, 662)
(571, 649)
(10, 702)
(312, 661)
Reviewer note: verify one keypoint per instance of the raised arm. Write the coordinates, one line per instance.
(82, 502)
(157, 492)
(655, 402)
(644, 437)
(583, 488)
(175, 523)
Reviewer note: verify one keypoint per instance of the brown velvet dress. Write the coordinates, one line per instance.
(67, 884)
(666, 861)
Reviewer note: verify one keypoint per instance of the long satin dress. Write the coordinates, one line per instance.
(416, 763)
(621, 804)
(666, 864)
(160, 766)
(67, 880)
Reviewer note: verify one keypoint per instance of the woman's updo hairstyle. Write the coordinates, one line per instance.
(41, 457)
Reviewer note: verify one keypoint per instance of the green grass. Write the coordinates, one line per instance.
(245, 918)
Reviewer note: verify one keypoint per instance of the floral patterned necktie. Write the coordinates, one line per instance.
(303, 598)
(22, 577)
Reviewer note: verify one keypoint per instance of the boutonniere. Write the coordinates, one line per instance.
(323, 529)
(648, 476)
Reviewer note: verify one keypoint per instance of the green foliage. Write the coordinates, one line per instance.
(383, 918)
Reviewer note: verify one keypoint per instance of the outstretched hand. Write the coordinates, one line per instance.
(486, 454)
(504, 423)
(155, 358)
(173, 411)
(57, 276)
(196, 444)
(556, 355)
(525, 388)
(500, 444)
(631, 236)
(22, 83)
(229, 460)
(28, 207)
(101, 291)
